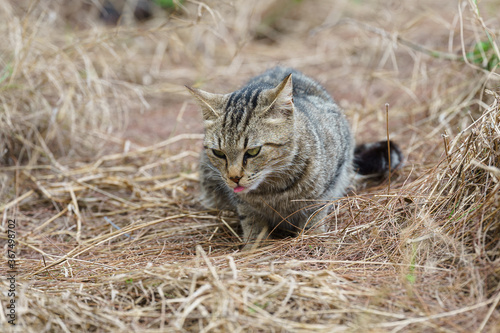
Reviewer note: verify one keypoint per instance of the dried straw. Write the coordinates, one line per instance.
(110, 236)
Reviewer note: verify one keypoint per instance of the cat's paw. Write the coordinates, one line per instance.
(247, 247)
(316, 230)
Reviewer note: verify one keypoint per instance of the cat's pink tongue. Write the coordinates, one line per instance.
(238, 189)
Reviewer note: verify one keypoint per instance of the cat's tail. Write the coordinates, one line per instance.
(373, 158)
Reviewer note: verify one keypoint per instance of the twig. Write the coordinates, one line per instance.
(489, 313)
(53, 218)
(232, 230)
(388, 145)
(45, 264)
(17, 200)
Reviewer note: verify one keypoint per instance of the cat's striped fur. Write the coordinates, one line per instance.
(275, 152)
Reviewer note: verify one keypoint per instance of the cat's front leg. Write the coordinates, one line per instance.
(315, 223)
(255, 229)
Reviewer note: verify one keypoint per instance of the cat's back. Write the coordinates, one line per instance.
(322, 134)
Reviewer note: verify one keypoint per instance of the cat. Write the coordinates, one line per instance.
(277, 150)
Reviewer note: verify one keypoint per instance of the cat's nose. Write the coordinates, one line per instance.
(235, 179)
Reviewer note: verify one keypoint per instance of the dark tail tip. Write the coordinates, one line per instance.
(373, 158)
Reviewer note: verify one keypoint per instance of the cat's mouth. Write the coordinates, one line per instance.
(238, 189)
(237, 184)
(244, 189)
(247, 185)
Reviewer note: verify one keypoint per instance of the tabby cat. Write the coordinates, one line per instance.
(277, 150)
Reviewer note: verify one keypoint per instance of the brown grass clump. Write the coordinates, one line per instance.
(98, 157)
(58, 95)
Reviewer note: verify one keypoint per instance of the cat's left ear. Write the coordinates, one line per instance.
(210, 103)
(281, 97)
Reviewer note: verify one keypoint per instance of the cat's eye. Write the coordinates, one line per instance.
(253, 152)
(218, 153)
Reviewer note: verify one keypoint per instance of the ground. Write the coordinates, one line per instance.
(99, 146)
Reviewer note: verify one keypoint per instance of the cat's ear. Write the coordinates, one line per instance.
(210, 103)
(281, 98)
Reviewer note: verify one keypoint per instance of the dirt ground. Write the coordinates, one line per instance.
(99, 147)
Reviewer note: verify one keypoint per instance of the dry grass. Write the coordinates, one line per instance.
(99, 146)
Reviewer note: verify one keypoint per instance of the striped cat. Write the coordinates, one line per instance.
(277, 150)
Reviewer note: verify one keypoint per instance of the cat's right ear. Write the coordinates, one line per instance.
(210, 103)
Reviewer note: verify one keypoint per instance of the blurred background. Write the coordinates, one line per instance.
(99, 146)
(83, 76)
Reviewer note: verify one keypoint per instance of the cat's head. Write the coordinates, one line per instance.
(248, 133)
